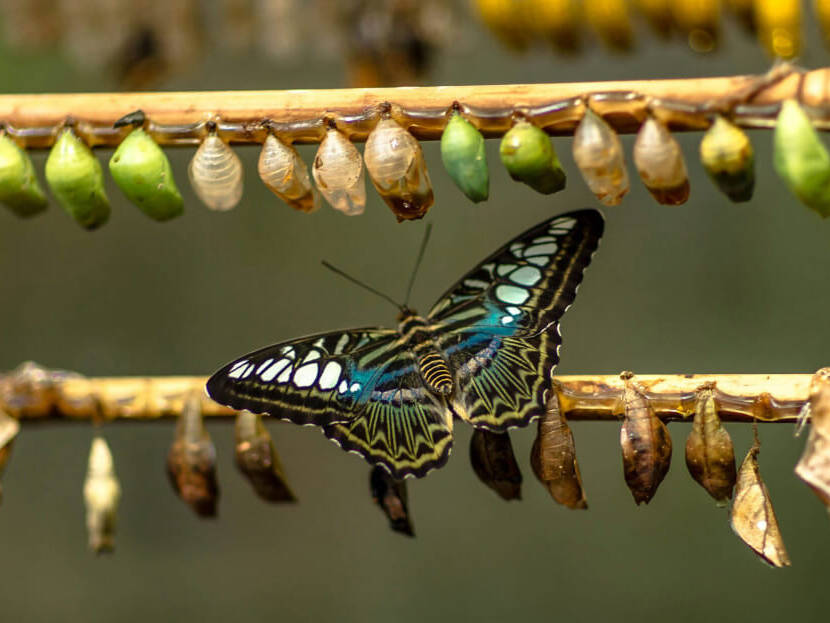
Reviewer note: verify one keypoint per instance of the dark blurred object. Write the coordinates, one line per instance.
(191, 462)
(390, 495)
(258, 460)
(493, 461)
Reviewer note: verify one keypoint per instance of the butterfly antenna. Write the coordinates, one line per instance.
(417, 263)
(355, 281)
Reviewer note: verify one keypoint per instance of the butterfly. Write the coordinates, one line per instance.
(484, 354)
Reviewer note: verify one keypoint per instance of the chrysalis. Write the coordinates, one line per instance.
(814, 465)
(191, 461)
(553, 458)
(801, 159)
(399, 173)
(284, 172)
(710, 456)
(646, 445)
(752, 516)
(598, 154)
(779, 26)
(216, 174)
(9, 428)
(19, 188)
(338, 171)
(462, 151)
(659, 161)
(142, 171)
(491, 455)
(610, 20)
(528, 155)
(727, 155)
(390, 495)
(75, 177)
(101, 495)
(257, 459)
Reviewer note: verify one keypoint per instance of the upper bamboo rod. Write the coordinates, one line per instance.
(32, 392)
(177, 118)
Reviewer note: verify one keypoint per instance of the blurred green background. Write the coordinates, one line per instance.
(706, 287)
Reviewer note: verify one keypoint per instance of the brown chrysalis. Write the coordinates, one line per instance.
(390, 495)
(257, 459)
(710, 455)
(814, 465)
(491, 455)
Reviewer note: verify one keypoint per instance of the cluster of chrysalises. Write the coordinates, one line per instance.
(397, 168)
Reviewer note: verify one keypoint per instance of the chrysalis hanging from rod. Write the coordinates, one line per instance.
(286, 175)
(338, 172)
(493, 461)
(216, 173)
(659, 161)
(20, 190)
(398, 171)
(553, 458)
(727, 155)
(75, 177)
(646, 444)
(529, 157)
(390, 495)
(191, 461)
(257, 459)
(752, 516)
(814, 465)
(9, 428)
(143, 173)
(710, 456)
(599, 155)
(102, 493)
(464, 158)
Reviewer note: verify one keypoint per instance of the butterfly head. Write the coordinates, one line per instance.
(406, 313)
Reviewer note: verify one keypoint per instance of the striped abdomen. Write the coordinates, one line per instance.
(436, 373)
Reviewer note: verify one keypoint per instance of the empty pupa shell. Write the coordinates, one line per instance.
(216, 174)
(191, 461)
(493, 461)
(101, 495)
(284, 172)
(462, 151)
(399, 173)
(390, 495)
(257, 459)
(801, 159)
(553, 458)
(814, 465)
(75, 177)
(752, 516)
(9, 428)
(338, 172)
(142, 171)
(660, 164)
(710, 455)
(19, 188)
(528, 155)
(610, 20)
(598, 153)
(646, 445)
(727, 155)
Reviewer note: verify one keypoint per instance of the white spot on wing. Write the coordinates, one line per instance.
(503, 269)
(547, 248)
(305, 375)
(539, 260)
(273, 370)
(237, 369)
(313, 355)
(511, 294)
(264, 365)
(513, 311)
(526, 275)
(566, 223)
(285, 375)
(331, 373)
(506, 319)
(343, 387)
(355, 387)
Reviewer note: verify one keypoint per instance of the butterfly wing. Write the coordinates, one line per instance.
(361, 386)
(498, 326)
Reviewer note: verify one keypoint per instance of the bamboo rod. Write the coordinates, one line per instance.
(34, 393)
(181, 118)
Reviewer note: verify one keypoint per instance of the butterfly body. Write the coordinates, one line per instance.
(484, 354)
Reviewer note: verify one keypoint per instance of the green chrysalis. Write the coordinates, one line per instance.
(462, 151)
(143, 173)
(19, 188)
(528, 155)
(75, 177)
(726, 154)
(801, 159)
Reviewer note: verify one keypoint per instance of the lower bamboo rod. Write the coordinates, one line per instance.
(181, 118)
(35, 393)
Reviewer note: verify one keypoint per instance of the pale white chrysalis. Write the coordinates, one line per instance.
(338, 171)
(284, 172)
(101, 495)
(216, 174)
